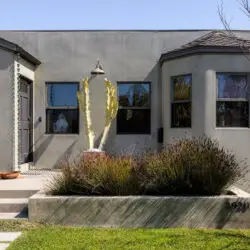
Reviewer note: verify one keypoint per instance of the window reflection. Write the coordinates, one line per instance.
(62, 121)
(62, 94)
(62, 111)
(136, 95)
(182, 87)
(232, 106)
(181, 107)
(134, 108)
(132, 121)
(232, 86)
(181, 115)
(232, 114)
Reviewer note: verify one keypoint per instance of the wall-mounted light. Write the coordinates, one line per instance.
(98, 70)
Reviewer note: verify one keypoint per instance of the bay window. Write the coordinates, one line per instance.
(181, 105)
(232, 105)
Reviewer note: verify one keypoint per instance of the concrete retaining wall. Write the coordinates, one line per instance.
(142, 211)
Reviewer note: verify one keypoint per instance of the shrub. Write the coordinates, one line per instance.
(196, 166)
(185, 167)
(97, 175)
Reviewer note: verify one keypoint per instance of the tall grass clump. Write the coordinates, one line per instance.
(192, 166)
(97, 175)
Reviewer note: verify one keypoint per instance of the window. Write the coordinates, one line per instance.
(181, 101)
(134, 108)
(232, 106)
(62, 111)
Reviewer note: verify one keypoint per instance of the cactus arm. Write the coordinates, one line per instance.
(84, 103)
(111, 111)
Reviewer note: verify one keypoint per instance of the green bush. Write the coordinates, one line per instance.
(185, 167)
(196, 166)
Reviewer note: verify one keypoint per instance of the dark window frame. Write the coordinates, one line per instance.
(173, 101)
(134, 107)
(237, 100)
(47, 107)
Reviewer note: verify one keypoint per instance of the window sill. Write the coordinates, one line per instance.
(61, 134)
(180, 127)
(133, 134)
(232, 128)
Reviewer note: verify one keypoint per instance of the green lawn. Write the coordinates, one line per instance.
(41, 237)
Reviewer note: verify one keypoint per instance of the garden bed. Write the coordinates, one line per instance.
(225, 211)
(184, 185)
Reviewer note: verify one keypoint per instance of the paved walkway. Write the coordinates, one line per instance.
(7, 238)
(26, 182)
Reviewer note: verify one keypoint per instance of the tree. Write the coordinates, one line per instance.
(245, 8)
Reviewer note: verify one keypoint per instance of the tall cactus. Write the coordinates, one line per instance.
(111, 110)
(84, 103)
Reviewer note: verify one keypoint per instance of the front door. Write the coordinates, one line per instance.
(24, 121)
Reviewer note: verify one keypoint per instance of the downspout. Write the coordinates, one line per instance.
(160, 104)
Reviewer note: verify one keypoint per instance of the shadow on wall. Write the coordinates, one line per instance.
(154, 76)
(39, 151)
(45, 144)
(110, 139)
(176, 212)
(65, 156)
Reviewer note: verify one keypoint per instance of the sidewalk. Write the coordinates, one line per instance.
(7, 238)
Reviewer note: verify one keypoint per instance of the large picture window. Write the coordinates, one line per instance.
(232, 106)
(62, 111)
(181, 106)
(134, 114)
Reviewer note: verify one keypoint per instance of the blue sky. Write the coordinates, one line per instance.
(118, 14)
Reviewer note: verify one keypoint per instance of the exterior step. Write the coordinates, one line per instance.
(11, 216)
(4, 246)
(16, 193)
(13, 205)
(9, 236)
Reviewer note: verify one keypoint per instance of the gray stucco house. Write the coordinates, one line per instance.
(41, 71)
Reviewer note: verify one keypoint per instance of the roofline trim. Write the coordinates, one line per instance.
(27, 56)
(14, 48)
(201, 50)
(122, 30)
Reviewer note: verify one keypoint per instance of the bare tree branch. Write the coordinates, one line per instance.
(227, 24)
(244, 7)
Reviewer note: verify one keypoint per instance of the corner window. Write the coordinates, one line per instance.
(134, 114)
(181, 105)
(232, 106)
(62, 111)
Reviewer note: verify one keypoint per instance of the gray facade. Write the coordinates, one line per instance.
(68, 56)
(6, 110)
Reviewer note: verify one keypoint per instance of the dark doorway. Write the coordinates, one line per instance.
(25, 121)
